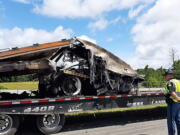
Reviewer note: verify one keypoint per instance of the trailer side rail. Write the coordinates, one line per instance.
(78, 104)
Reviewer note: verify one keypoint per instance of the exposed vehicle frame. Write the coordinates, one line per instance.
(71, 67)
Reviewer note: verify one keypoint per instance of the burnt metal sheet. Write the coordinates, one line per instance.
(45, 51)
(114, 63)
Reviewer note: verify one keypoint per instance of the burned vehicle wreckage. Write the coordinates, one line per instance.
(70, 68)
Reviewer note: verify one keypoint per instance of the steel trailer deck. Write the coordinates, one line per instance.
(78, 104)
(50, 112)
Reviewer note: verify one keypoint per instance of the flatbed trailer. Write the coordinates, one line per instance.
(50, 112)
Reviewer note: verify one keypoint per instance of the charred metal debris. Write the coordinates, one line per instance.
(71, 67)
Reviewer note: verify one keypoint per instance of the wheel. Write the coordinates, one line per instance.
(50, 123)
(71, 86)
(8, 124)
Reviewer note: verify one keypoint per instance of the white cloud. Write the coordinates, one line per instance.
(134, 12)
(28, 36)
(82, 8)
(98, 25)
(87, 38)
(156, 32)
(102, 23)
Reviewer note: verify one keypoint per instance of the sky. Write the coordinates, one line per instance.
(141, 32)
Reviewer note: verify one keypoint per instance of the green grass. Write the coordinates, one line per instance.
(2, 88)
(19, 85)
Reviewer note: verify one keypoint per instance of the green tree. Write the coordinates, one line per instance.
(153, 77)
(176, 66)
(22, 78)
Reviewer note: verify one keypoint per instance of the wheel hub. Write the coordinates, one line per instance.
(2, 123)
(71, 86)
(5, 123)
(49, 120)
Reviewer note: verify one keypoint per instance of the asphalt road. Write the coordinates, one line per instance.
(150, 122)
(155, 127)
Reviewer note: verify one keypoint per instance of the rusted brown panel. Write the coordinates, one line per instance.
(29, 56)
(47, 47)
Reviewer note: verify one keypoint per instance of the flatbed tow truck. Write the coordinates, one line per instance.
(50, 112)
(68, 72)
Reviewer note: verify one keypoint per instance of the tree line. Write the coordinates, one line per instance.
(155, 77)
(152, 77)
(22, 78)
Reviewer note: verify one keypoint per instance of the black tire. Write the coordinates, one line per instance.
(53, 127)
(8, 124)
(71, 85)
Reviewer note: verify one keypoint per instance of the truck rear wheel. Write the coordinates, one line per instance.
(71, 86)
(8, 124)
(50, 123)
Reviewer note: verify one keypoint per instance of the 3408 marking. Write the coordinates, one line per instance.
(39, 109)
